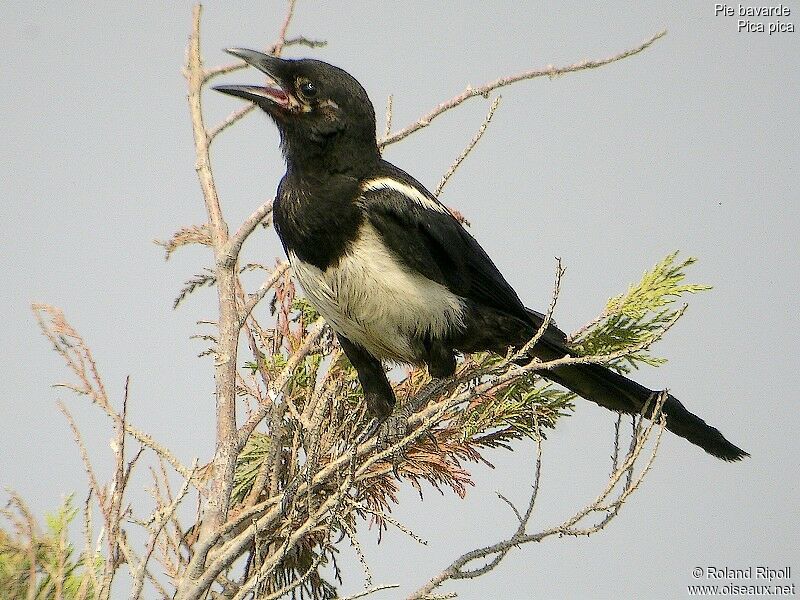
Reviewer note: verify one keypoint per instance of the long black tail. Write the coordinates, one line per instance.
(616, 392)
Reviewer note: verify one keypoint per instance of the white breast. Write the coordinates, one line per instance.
(370, 298)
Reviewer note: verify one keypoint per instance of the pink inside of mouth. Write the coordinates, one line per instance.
(277, 95)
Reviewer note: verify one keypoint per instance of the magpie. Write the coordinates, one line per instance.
(392, 271)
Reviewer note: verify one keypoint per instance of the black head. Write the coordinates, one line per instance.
(325, 117)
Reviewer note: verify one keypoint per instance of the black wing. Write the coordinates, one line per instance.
(429, 240)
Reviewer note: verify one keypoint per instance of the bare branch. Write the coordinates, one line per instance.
(483, 90)
(390, 519)
(548, 317)
(231, 252)
(120, 479)
(472, 143)
(160, 519)
(350, 532)
(231, 119)
(389, 102)
(228, 324)
(496, 552)
(372, 590)
(277, 48)
(301, 40)
(226, 251)
(94, 486)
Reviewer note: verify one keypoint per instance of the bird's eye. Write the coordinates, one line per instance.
(308, 88)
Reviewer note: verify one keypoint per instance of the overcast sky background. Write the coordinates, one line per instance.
(691, 145)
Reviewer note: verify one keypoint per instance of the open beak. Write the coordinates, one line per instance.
(272, 67)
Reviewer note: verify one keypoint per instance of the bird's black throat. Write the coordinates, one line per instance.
(316, 215)
(312, 152)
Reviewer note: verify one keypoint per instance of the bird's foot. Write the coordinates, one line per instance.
(392, 430)
(390, 433)
(371, 429)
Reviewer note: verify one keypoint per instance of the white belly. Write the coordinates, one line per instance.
(371, 299)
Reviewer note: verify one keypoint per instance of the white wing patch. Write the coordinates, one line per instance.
(410, 192)
(373, 300)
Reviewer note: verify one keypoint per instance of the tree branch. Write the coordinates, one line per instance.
(499, 550)
(472, 143)
(228, 323)
(231, 252)
(483, 90)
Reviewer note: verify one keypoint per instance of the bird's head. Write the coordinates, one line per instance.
(325, 117)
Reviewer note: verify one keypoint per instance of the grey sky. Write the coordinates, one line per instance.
(692, 145)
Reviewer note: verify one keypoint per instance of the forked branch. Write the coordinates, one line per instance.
(487, 88)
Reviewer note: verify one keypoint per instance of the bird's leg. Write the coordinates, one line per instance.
(395, 427)
(441, 359)
(390, 422)
(388, 426)
(378, 394)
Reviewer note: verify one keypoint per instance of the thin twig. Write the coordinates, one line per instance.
(161, 518)
(472, 143)
(388, 129)
(231, 119)
(351, 534)
(265, 287)
(231, 252)
(94, 486)
(277, 48)
(548, 317)
(483, 90)
(390, 519)
(372, 590)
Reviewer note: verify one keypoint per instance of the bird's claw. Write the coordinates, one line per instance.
(371, 430)
(391, 432)
(388, 431)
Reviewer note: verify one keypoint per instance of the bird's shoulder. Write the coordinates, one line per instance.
(424, 234)
(389, 187)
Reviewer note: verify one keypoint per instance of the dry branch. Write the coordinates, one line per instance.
(483, 90)
(496, 552)
(470, 146)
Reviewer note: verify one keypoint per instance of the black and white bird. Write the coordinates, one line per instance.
(393, 272)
